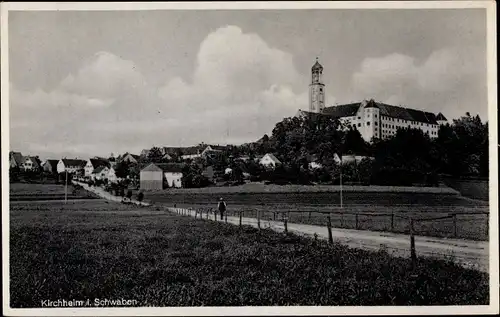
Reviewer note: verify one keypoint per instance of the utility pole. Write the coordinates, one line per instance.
(66, 189)
(341, 202)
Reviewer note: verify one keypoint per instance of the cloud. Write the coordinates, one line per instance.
(444, 81)
(240, 88)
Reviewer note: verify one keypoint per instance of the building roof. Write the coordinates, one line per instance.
(340, 111)
(96, 162)
(136, 157)
(371, 104)
(74, 162)
(317, 66)
(99, 169)
(164, 167)
(53, 164)
(274, 158)
(397, 112)
(441, 117)
(217, 147)
(17, 156)
(35, 160)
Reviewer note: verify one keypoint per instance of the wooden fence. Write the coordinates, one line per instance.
(284, 217)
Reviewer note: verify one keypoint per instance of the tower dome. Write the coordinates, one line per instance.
(317, 66)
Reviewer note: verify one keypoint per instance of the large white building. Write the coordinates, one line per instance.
(372, 119)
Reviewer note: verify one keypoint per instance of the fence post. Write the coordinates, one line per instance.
(241, 212)
(329, 225)
(357, 222)
(392, 221)
(487, 227)
(225, 217)
(285, 222)
(455, 225)
(274, 215)
(341, 220)
(258, 218)
(412, 245)
(309, 216)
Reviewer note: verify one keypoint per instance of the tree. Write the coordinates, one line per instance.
(155, 155)
(122, 169)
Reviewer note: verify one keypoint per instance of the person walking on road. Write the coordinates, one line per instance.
(222, 208)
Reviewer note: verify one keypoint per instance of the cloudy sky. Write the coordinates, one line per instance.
(95, 83)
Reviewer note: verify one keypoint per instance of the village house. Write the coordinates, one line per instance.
(50, 166)
(31, 163)
(71, 166)
(112, 178)
(156, 176)
(93, 164)
(269, 161)
(130, 158)
(100, 173)
(15, 159)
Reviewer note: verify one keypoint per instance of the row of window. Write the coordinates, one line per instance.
(406, 121)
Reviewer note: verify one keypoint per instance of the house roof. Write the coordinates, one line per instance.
(272, 157)
(397, 112)
(96, 162)
(17, 156)
(217, 147)
(339, 111)
(441, 117)
(164, 167)
(36, 161)
(99, 169)
(74, 162)
(136, 157)
(53, 164)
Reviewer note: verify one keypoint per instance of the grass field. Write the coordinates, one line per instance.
(258, 187)
(318, 198)
(32, 192)
(98, 249)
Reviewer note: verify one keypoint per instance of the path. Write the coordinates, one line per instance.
(104, 194)
(472, 254)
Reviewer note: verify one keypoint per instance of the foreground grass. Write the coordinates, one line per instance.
(167, 260)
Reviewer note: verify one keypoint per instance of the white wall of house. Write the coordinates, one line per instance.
(89, 168)
(60, 167)
(267, 161)
(112, 175)
(103, 174)
(28, 164)
(173, 179)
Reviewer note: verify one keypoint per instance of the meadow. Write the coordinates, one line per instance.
(33, 192)
(99, 249)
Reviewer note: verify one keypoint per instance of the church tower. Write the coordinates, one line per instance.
(316, 89)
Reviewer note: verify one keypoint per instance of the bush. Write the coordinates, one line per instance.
(129, 194)
(140, 196)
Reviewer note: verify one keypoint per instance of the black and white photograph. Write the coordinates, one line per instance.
(250, 158)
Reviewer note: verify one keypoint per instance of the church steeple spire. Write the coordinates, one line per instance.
(316, 89)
